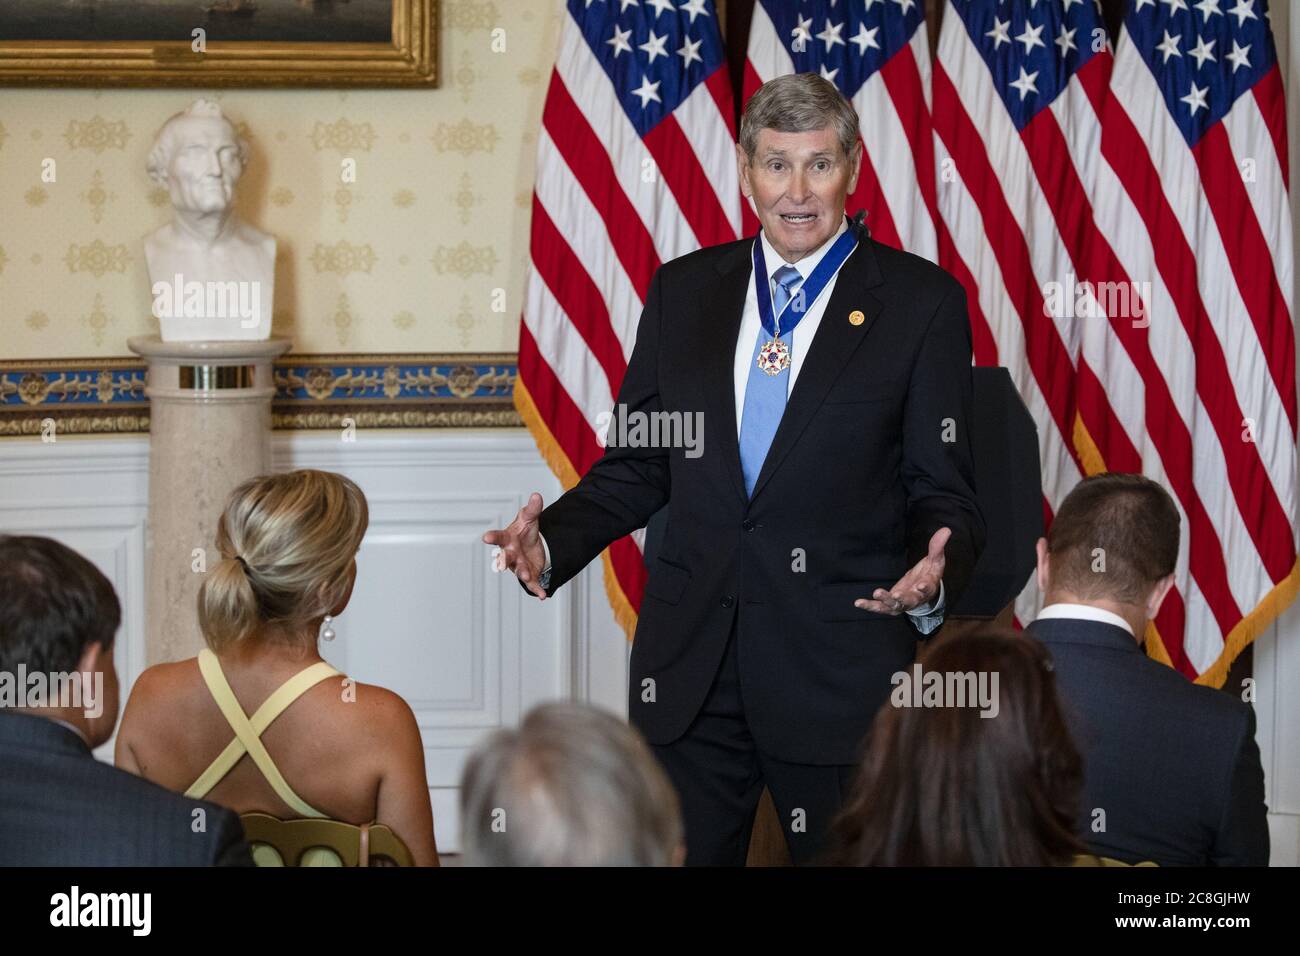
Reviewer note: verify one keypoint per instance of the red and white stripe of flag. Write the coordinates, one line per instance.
(1208, 401)
(608, 208)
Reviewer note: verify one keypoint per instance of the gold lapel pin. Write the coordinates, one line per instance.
(856, 317)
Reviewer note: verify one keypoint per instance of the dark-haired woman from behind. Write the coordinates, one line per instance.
(259, 722)
(945, 786)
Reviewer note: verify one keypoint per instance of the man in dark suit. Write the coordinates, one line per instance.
(1172, 771)
(59, 806)
(829, 515)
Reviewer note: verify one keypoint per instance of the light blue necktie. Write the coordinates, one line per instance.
(765, 394)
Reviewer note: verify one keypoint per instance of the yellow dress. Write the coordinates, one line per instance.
(248, 734)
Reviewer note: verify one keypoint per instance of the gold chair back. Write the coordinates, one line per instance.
(294, 840)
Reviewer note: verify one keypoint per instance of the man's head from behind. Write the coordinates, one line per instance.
(798, 160)
(58, 619)
(1113, 544)
(572, 786)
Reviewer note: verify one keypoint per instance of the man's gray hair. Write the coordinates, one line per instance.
(160, 156)
(572, 786)
(798, 103)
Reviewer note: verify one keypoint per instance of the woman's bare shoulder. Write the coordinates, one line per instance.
(163, 685)
(368, 713)
(164, 705)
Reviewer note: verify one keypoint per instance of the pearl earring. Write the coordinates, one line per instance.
(327, 630)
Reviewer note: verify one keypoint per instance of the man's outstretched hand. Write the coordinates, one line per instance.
(918, 586)
(521, 546)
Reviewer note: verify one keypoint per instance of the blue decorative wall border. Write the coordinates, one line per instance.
(85, 396)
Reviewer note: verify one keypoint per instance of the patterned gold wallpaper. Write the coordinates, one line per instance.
(408, 258)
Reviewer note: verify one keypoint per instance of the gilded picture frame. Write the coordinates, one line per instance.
(408, 59)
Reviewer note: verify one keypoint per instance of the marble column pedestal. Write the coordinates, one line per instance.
(209, 431)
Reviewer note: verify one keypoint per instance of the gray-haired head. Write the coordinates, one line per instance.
(798, 103)
(572, 786)
(160, 155)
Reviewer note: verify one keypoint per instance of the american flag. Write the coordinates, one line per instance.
(1119, 221)
(878, 55)
(635, 166)
(1121, 224)
(1012, 133)
(1194, 200)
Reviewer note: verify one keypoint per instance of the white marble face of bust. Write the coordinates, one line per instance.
(204, 164)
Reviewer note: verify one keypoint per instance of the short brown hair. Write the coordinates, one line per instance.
(53, 605)
(798, 103)
(1127, 522)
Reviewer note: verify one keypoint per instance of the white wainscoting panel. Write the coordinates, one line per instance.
(92, 495)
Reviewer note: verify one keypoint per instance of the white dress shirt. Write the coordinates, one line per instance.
(751, 326)
(1083, 612)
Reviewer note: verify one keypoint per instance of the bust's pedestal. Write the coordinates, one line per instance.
(209, 431)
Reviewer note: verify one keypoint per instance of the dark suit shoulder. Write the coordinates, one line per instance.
(1194, 701)
(1111, 678)
(922, 277)
(1173, 764)
(69, 809)
(705, 260)
(198, 826)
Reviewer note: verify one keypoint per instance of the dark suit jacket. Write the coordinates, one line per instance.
(59, 806)
(872, 456)
(1174, 765)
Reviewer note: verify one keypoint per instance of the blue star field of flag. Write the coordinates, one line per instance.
(1032, 47)
(846, 41)
(1203, 54)
(655, 52)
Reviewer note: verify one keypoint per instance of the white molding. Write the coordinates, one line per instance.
(93, 495)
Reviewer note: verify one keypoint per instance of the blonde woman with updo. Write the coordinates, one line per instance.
(310, 743)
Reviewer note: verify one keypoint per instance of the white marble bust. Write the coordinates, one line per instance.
(211, 275)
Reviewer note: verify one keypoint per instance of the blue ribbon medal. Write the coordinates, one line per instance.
(774, 356)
